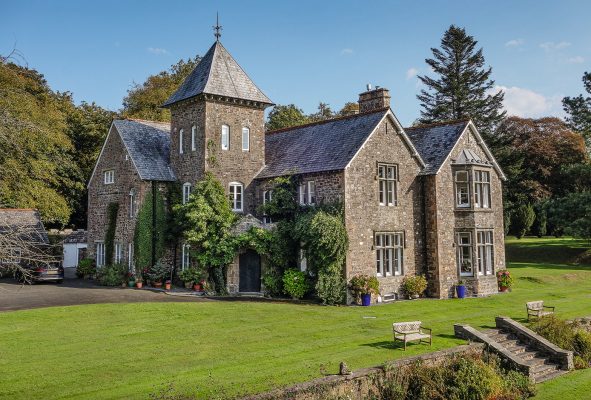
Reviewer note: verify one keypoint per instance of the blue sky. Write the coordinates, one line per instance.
(303, 52)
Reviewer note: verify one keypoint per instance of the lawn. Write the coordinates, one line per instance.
(220, 349)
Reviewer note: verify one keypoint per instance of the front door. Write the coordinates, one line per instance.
(250, 272)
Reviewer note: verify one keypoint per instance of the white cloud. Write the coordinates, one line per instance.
(411, 73)
(551, 46)
(347, 52)
(575, 60)
(157, 50)
(514, 43)
(529, 104)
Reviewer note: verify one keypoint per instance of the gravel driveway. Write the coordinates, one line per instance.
(14, 296)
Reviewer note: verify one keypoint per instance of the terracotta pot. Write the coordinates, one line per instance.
(139, 285)
(157, 284)
(167, 285)
(503, 288)
(197, 287)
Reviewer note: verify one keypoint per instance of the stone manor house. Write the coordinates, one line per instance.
(420, 200)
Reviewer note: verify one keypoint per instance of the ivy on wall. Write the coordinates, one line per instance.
(150, 229)
(112, 211)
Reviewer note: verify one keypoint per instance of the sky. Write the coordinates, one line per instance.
(304, 52)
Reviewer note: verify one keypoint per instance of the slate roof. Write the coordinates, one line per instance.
(25, 219)
(219, 74)
(148, 144)
(317, 147)
(435, 142)
(78, 236)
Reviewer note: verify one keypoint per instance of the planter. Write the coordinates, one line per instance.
(197, 287)
(123, 284)
(366, 300)
(167, 285)
(131, 283)
(139, 285)
(188, 285)
(503, 288)
(461, 291)
(413, 296)
(157, 284)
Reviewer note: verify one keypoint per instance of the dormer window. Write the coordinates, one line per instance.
(236, 190)
(181, 142)
(225, 137)
(109, 177)
(245, 139)
(186, 192)
(193, 138)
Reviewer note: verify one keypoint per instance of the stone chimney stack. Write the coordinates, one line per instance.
(374, 99)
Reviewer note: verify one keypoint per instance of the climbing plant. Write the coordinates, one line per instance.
(150, 229)
(112, 210)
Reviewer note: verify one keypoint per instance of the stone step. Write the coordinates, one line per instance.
(517, 348)
(537, 361)
(551, 375)
(529, 354)
(544, 369)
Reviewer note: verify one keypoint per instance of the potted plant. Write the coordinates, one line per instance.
(461, 289)
(504, 279)
(168, 284)
(414, 286)
(362, 287)
(139, 282)
(190, 276)
(157, 273)
(130, 279)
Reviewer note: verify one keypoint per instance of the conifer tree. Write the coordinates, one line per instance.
(461, 85)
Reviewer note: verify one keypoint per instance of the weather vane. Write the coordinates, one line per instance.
(217, 28)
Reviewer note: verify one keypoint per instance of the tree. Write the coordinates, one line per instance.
(285, 117)
(579, 111)
(324, 112)
(145, 100)
(523, 219)
(209, 219)
(571, 214)
(462, 86)
(348, 109)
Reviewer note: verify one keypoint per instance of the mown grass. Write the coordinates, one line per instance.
(221, 349)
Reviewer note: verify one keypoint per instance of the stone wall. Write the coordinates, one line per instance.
(364, 215)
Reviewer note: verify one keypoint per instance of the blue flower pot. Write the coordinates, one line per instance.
(366, 300)
(461, 291)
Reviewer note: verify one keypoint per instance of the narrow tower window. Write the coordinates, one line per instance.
(245, 139)
(225, 137)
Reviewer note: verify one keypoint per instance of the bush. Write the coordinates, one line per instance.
(523, 219)
(363, 284)
(273, 282)
(189, 275)
(85, 268)
(331, 288)
(294, 283)
(414, 285)
(158, 272)
(112, 275)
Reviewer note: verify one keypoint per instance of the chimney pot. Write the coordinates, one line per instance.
(374, 99)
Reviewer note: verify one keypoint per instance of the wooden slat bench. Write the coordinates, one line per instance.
(538, 309)
(411, 332)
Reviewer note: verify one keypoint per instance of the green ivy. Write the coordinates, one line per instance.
(150, 230)
(112, 211)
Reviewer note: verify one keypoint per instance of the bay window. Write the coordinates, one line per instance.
(464, 254)
(462, 189)
(481, 189)
(485, 247)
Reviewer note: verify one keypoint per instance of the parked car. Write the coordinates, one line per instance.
(45, 272)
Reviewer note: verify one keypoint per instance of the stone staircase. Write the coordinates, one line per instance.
(542, 368)
(521, 348)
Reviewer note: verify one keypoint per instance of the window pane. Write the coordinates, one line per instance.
(181, 141)
(225, 137)
(245, 139)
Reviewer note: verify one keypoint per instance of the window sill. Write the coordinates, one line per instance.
(478, 210)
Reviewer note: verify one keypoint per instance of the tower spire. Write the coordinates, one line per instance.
(217, 28)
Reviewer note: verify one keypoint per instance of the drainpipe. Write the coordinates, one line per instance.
(153, 223)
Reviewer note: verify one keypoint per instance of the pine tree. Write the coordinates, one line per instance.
(579, 111)
(461, 88)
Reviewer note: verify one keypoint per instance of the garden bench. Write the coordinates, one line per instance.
(538, 309)
(410, 332)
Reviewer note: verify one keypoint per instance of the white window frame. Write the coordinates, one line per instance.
(303, 260)
(462, 184)
(267, 197)
(130, 255)
(132, 210)
(186, 257)
(389, 248)
(302, 194)
(187, 188)
(245, 135)
(485, 252)
(388, 184)
(311, 193)
(461, 255)
(100, 254)
(118, 253)
(193, 138)
(236, 196)
(109, 176)
(225, 140)
(482, 189)
(181, 149)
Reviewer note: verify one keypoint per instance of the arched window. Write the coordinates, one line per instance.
(236, 190)
(225, 137)
(132, 203)
(181, 142)
(186, 192)
(245, 139)
(193, 138)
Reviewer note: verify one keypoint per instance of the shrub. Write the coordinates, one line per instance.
(273, 282)
(523, 219)
(331, 288)
(112, 275)
(414, 285)
(363, 284)
(85, 268)
(158, 272)
(294, 283)
(189, 275)
(504, 278)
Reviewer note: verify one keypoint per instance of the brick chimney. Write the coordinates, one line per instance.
(374, 99)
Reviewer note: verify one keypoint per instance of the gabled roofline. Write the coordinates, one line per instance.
(101, 154)
(470, 126)
(399, 130)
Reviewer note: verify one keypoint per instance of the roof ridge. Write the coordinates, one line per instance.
(143, 120)
(442, 123)
(324, 121)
